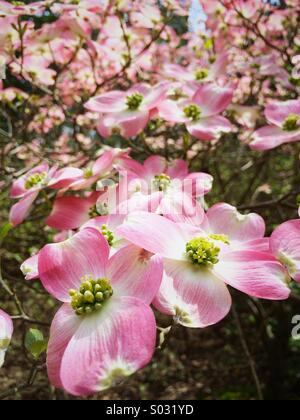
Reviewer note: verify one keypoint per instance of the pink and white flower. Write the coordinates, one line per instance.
(127, 113)
(201, 113)
(284, 120)
(28, 187)
(105, 329)
(200, 262)
(179, 189)
(6, 332)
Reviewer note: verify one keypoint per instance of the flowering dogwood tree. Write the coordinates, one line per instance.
(150, 180)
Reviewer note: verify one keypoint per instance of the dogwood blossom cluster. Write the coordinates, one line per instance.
(134, 236)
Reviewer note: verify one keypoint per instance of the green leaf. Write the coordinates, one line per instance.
(35, 343)
(4, 231)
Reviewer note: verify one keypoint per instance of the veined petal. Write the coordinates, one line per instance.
(129, 123)
(255, 273)
(209, 128)
(21, 210)
(277, 112)
(70, 212)
(269, 137)
(64, 177)
(63, 265)
(155, 234)
(109, 346)
(226, 220)
(213, 99)
(195, 296)
(113, 101)
(64, 326)
(135, 272)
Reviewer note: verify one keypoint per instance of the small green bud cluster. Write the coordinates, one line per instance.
(202, 251)
(193, 112)
(291, 123)
(161, 182)
(108, 235)
(201, 74)
(134, 101)
(91, 296)
(34, 180)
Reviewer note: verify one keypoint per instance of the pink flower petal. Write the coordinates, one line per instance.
(213, 99)
(269, 137)
(108, 346)
(62, 266)
(155, 165)
(277, 112)
(21, 210)
(209, 128)
(226, 220)
(64, 177)
(178, 169)
(156, 95)
(30, 268)
(254, 273)
(70, 212)
(129, 123)
(170, 111)
(285, 245)
(155, 234)
(63, 327)
(181, 207)
(135, 272)
(113, 101)
(193, 295)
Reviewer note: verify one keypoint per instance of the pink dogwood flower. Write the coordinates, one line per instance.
(6, 332)
(284, 118)
(127, 113)
(202, 73)
(201, 113)
(200, 262)
(28, 187)
(285, 245)
(179, 188)
(105, 329)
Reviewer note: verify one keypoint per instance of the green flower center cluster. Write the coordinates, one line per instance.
(204, 251)
(91, 296)
(193, 112)
(108, 235)
(291, 123)
(201, 74)
(134, 101)
(161, 182)
(88, 173)
(35, 179)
